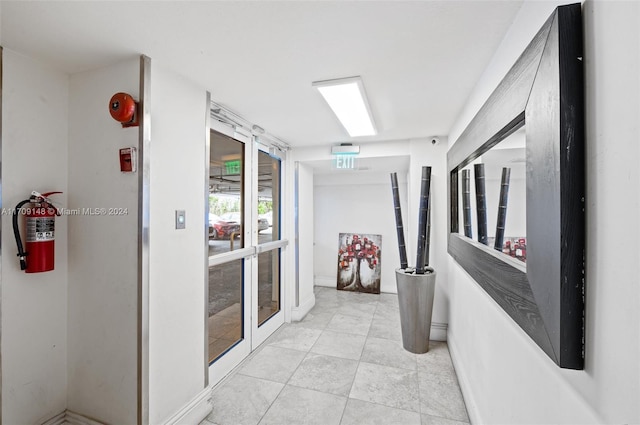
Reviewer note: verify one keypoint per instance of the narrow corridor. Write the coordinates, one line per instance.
(343, 364)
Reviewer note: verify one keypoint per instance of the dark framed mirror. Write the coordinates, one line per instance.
(540, 105)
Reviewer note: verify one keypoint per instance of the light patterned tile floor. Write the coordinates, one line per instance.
(343, 364)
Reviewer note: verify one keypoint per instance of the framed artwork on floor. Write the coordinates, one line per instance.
(359, 262)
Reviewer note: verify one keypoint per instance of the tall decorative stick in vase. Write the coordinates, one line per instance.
(416, 286)
(466, 202)
(399, 226)
(422, 219)
(502, 208)
(481, 203)
(427, 244)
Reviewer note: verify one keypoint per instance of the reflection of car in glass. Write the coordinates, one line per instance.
(263, 224)
(267, 216)
(231, 216)
(220, 228)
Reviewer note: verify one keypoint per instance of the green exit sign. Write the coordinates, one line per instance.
(232, 167)
(345, 162)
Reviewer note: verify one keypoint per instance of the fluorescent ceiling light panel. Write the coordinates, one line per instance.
(347, 99)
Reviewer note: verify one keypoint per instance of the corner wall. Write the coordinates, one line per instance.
(69, 337)
(327, 203)
(177, 257)
(305, 242)
(34, 306)
(103, 249)
(505, 377)
(349, 204)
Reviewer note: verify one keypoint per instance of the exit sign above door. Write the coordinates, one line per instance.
(345, 162)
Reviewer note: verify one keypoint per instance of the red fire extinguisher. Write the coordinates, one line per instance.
(40, 228)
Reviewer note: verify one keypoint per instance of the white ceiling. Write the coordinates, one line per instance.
(419, 60)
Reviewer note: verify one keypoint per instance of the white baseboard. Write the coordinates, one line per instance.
(72, 418)
(465, 387)
(438, 331)
(56, 420)
(77, 419)
(326, 281)
(298, 313)
(194, 411)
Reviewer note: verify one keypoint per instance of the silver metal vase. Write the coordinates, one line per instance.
(415, 296)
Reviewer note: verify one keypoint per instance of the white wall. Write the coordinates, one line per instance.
(505, 377)
(306, 219)
(177, 257)
(103, 250)
(342, 205)
(34, 306)
(326, 275)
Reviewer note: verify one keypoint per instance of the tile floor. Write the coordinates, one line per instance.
(343, 364)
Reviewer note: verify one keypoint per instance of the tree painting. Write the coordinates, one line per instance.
(359, 262)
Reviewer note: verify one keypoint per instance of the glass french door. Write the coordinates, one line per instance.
(269, 243)
(244, 243)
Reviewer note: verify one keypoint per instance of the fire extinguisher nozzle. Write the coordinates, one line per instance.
(23, 260)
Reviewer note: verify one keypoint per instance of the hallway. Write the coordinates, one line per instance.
(343, 364)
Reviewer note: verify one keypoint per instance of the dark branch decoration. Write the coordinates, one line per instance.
(502, 208)
(399, 225)
(543, 91)
(481, 203)
(421, 251)
(427, 243)
(466, 202)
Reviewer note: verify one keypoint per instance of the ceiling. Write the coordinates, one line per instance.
(419, 60)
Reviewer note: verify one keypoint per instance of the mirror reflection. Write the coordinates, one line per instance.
(492, 197)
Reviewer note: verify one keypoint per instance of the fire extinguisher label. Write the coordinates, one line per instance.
(40, 229)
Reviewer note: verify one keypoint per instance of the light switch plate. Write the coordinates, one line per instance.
(180, 219)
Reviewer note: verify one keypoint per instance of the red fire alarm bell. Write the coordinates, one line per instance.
(124, 109)
(128, 160)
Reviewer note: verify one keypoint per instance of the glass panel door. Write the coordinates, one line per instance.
(226, 282)
(268, 231)
(230, 261)
(244, 245)
(268, 285)
(268, 294)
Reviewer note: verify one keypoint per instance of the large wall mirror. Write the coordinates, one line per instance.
(516, 191)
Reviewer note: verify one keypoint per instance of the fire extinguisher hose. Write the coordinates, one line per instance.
(16, 232)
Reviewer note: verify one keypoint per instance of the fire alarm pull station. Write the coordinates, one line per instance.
(128, 160)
